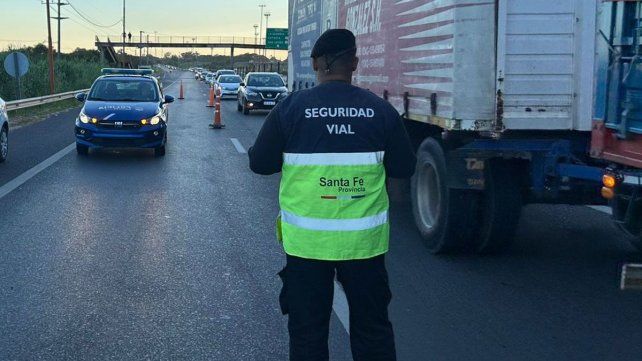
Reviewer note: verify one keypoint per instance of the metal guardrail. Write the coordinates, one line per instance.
(32, 102)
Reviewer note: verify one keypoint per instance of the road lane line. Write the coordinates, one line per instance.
(238, 146)
(340, 306)
(24, 177)
(603, 209)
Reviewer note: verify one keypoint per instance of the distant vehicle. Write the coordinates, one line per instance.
(209, 79)
(224, 72)
(260, 91)
(4, 131)
(124, 108)
(228, 85)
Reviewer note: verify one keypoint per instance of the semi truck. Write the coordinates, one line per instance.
(509, 102)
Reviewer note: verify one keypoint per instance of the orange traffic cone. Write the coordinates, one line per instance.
(217, 115)
(210, 104)
(180, 93)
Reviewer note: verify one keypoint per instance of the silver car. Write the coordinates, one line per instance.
(4, 131)
(228, 85)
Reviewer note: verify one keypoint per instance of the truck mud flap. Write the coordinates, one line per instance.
(466, 170)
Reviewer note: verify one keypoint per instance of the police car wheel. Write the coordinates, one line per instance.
(4, 144)
(444, 216)
(160, 151)
(500, 206)
(82, 149)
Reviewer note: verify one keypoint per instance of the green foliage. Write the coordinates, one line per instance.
(73, 71)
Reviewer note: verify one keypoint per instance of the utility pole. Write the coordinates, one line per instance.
(59, 18)
(51, 59)
(267, 17)
(261, 26)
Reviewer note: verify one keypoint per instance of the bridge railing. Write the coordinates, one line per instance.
(185, 39)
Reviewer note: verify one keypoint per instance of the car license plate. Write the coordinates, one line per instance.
(268, 102)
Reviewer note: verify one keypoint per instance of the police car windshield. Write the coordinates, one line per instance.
(264, 80)
(229, 79)
(122, 90)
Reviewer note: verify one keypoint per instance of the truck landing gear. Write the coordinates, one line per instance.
(455, 220)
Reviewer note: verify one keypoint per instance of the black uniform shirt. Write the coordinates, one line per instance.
(333, 117)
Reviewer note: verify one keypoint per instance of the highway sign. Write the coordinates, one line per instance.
(276, 38)
(16, 64)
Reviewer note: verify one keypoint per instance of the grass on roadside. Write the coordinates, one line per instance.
(22, 117)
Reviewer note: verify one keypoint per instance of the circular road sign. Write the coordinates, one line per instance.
(16, 64)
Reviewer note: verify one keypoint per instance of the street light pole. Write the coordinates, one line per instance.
(261, 26)
(267, 17)
(124, 31)
(140, 46)
(256, 34)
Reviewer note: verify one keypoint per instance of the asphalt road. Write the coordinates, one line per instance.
(124, 256)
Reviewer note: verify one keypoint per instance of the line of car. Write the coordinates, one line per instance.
(259, 90)
(126, 108)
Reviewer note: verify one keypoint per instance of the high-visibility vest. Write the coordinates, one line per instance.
(334, 206)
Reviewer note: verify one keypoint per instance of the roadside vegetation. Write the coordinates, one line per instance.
(75, 70)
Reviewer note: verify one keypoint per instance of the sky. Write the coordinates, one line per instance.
(25, 21)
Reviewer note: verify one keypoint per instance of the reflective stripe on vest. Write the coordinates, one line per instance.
(353, 224)
(333, 158)
(334, 206)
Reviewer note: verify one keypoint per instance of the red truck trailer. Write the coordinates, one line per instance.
(509, 102)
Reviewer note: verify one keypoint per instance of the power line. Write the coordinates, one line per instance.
(86, 18)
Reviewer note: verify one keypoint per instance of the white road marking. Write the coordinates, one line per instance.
(24, 177)
(238, 146)
(340, 306)
(603, 209)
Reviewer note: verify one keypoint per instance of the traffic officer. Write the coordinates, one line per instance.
(334, 144)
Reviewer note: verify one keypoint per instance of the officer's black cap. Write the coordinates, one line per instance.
(334, 41)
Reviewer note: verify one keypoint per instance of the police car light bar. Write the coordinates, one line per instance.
(108, 71)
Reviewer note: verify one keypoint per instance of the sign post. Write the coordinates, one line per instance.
(276, 39)
(16, 65)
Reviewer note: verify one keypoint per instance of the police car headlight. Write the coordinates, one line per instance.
(83, 118)
(155, 120)
(251, 93)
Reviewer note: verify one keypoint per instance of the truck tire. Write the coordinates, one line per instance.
(500, 206)
(445, 217)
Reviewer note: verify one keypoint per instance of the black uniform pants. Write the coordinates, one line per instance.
(308, 289)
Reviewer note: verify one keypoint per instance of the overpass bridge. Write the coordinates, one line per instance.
(108, 48)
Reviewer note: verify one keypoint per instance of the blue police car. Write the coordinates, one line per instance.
(125, 108)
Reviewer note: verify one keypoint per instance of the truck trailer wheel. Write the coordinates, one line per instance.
(445, 217)
(500, 206)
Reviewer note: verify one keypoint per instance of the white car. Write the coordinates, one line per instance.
(228, 85)
(4, 131)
